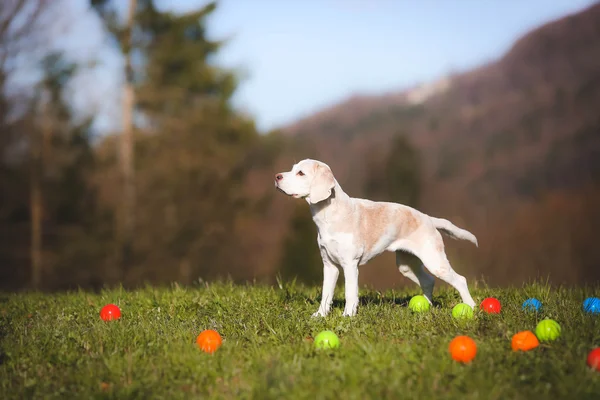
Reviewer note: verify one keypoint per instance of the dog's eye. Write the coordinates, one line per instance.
(300, 173)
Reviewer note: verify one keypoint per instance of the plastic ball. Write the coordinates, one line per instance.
(491, 305)
(524, 341)
(532, 304)
(547, 330)
(419, 304)
(209, 341)
(593, 359)
(462, 311)
(327, 340)
(110, 312)
(462, 349)
(592, 305)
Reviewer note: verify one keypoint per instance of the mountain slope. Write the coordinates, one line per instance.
(521, 125)
(506, 147)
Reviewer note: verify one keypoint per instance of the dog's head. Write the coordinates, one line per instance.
(308, 179)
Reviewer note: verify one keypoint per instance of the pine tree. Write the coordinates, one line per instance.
(193, 162)
(301, 258)
(396, 177)
(193, 151)
(64, 212)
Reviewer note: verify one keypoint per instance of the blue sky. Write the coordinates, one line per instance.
(298, 56)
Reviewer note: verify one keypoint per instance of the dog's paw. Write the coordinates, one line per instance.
(319, 314)
(349, 311)
(470, 302)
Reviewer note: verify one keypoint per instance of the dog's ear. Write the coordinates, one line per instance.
(322, 183)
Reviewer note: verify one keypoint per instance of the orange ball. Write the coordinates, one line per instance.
(463, 349)
(524, 341)
(209, 341)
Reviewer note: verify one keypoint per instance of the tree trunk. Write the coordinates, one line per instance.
(127, 150)
(35, 209)
(39, 155)
(36, 228)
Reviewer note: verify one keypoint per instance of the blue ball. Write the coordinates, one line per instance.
(592, 305)
(532, 304)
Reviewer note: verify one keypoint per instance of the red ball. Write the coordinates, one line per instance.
(110, 312)
(593, 360)
(491, 305)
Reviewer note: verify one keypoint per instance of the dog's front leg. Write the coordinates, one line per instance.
(330, 276)
(351, 278)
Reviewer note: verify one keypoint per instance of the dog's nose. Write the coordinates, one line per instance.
(278, 177)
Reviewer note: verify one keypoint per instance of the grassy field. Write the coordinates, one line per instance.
(56, 346)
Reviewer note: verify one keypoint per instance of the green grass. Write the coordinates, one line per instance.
(56, 346)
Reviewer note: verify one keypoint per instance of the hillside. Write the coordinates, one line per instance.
(511, 150)
(523, 124)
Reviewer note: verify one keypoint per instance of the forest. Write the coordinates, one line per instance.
(183, 192)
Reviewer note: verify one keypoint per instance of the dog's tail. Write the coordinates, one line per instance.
(453, 231)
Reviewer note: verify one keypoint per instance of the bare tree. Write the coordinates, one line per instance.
(24, 26)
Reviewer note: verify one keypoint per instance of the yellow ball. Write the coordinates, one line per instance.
(419, 304)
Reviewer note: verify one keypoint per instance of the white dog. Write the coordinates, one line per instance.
(352, 231)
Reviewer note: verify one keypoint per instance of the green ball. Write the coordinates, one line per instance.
(327, 340)
(547, 330)
(462, 310)
(419, 304)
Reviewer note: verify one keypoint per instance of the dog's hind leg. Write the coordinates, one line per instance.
(411, 267)
(437, 263)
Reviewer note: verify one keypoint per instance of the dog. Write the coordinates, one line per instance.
(352, 231)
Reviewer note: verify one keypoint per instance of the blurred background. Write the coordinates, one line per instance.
(139, 138)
